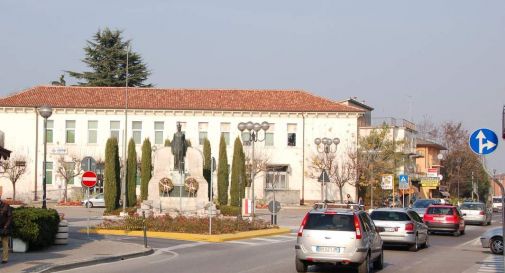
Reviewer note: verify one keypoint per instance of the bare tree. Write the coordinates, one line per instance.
(260, 164)
(68, 170)
(14, 168)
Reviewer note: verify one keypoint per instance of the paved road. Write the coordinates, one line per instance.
(276, 254)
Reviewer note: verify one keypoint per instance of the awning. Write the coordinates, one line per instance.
(4, 153)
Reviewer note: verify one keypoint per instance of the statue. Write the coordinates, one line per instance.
(179, 148)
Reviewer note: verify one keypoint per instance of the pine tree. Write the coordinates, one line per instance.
(237, 174)
(111, 177)
(145, 168)
(207, 172)
(167, 142)
(106, 56)
(222, 174)
(131, 174)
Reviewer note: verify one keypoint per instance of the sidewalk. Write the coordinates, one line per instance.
(78, 252)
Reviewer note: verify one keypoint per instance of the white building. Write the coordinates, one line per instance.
(85, 117)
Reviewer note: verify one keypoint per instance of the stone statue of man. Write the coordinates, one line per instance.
(179, 147)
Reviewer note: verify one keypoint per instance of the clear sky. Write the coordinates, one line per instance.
(441, 59)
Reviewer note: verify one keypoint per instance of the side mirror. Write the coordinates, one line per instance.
(464, 214)
(380, 229)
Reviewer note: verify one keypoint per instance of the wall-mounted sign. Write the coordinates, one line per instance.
(430, 182)
(59, 151)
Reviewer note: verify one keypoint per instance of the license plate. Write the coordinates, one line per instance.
(389, 229)
(439, 218)
(328, 249)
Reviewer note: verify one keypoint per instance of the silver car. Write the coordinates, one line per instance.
(95, 201)
(476, 212)
(401, 227)
(493, 239)
(339, 236)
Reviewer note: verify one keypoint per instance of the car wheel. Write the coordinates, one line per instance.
(456, 233)
(426, 242)
(489, 223)
(89, 204)
(415, 246)
(365, 266)
(496, 245)
(300, 265)
(379, 262)
(462, 232)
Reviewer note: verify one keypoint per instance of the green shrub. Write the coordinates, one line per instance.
(36, 226)
(183, 224)
(229, 210)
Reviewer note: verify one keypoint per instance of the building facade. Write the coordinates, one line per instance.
(84, 118)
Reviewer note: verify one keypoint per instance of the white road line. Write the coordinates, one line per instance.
(493, 263)
(265, 240)
(285, 236)
(181, 246)
(473, 241)
(242, 243)
(174, 255)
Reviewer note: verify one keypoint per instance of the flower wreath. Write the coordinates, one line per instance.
(191, 185)
(166, 185)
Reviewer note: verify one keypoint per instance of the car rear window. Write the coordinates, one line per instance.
(440, 211)
(423, 203)
(337, 222)
(472, 207)
(496, 200)
(389, 216)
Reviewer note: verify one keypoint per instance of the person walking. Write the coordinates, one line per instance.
(5, 228)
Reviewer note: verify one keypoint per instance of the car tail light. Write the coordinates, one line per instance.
(357, 225)
(481, 213)
(409, 227)
(304, 221)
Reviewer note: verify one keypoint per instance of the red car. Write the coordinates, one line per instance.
(446, 218)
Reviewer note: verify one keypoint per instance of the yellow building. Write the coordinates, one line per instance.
(428, 169)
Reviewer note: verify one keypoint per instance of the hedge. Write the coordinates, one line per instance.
(229, 210)
(36, 226)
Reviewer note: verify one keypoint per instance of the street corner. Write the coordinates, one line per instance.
(218, 238)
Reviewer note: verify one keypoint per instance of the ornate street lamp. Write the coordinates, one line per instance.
(253, 130)
(45, 111)
(325, 146)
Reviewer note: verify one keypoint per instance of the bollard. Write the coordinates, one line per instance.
(144, 227)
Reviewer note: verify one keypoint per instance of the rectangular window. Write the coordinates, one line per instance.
(276, 180)
(137, 131)
(49, 132)
(159, 126)
(114, 129)
(225, 131)
(246, 136)
(49, 172)
(291, 134)
(70, 131)
(202, 131)
(269, 135)
(92, 131)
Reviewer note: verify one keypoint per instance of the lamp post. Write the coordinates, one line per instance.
(253, 130)
(324, 146)
(45, 111)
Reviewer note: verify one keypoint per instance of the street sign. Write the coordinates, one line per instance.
(432, 172)
(483, 141)
(271, 206)
(88, 164)
(324, 177)
(89, 179)
(404, 182)
(387, 182)
(430, 182)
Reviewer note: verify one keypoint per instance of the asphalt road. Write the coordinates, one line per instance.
(276, 254)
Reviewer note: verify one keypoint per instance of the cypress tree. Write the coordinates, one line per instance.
(131, 174)
(236, 174)
(110, 176)
(167, 142)
(117, 170)
(207, 172)
(145, 168)
(222, 174)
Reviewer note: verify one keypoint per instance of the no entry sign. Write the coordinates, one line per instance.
(89, 179)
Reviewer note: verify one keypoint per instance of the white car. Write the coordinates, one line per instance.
(95, 201)
(493, 239)
(497, 204)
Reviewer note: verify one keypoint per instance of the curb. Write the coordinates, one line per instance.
(194, 237)
(68, 266)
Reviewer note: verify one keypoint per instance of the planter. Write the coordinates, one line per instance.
(19, 245)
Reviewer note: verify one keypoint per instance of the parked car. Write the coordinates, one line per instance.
(497, 204)
(476, 212)
(420, 205)
(339, 236)
(401, 227)
(446, 218)
(493, 239)
(95, 201)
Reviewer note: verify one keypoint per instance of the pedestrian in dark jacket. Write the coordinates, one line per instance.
(5, 228)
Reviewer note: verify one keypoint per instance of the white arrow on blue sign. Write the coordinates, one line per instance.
(404, 182)
(483, 141)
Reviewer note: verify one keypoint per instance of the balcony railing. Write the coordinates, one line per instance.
(390, 121)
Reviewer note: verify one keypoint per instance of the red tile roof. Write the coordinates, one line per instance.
(174, 99)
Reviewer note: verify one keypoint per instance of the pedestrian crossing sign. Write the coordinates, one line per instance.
(404, 182)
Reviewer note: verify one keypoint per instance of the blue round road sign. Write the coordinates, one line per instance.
(483, 141)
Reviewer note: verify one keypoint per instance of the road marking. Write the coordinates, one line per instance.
(265, 240)
(181, 246)
(174, 255)
(474, 241)
(242, 242)
(493, 263)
